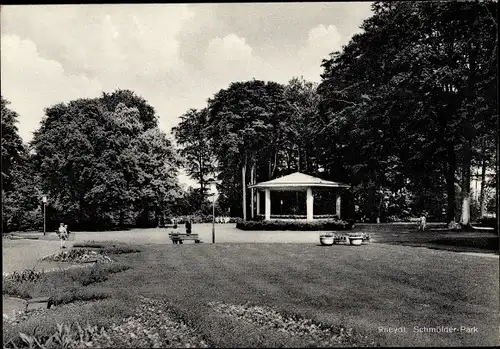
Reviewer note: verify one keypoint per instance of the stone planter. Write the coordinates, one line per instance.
(326, 240)
(355, 240)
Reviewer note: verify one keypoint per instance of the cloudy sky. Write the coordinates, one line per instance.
(174, 55)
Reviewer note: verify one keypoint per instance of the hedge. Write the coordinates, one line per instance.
(488, 222)
(298, 216)
(330, 224)
(197, 218)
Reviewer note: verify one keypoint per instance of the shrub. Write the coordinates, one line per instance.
(488, 222)
(16, 289)
(195, 218)
(25, 275)
(201, 218)
(295, 225)
(65, 337)
(261, 217)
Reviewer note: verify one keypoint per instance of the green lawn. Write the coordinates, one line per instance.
(365, 288)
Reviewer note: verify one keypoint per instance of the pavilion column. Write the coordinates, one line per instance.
(268, 204)
(310, 205)
(258, 202)
(337, 205)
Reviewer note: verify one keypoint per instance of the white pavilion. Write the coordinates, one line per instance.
(297, 182)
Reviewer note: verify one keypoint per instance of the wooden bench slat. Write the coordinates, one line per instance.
(183, 236)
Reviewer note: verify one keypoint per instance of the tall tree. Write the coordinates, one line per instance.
(21, 195)
(242, 121)
(103, 168)
(427, 60)
(192, 135)
(12, 144)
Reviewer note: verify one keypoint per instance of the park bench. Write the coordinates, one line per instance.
(178, 238)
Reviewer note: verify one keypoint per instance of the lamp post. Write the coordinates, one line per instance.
(213, 221)
(44, 200)
(213, 185)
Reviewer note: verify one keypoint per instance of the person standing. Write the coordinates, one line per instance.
(67, 231)
(188, 228)
(423, 222)
(63, 234)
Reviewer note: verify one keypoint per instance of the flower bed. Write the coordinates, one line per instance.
(330, 224)
(322, 335)
(152, 326)
(25, 275)
(78, 256)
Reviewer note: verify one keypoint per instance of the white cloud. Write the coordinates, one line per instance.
(31, 82)
(56, 53)
(321, 41)
(230, 48)
(230, 58)
(103, 39)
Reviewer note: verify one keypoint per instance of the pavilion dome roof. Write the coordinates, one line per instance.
(298, 180)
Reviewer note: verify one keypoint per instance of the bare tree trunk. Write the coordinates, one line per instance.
(244, 187)
(275, 163)
(482, 201)
(450, 184)
(468, 130)
(306, 160)
(202, 184)
(252, 191)
(466, 174)
(380, 205)
(270, 168)
(288, 162)
(299, 167)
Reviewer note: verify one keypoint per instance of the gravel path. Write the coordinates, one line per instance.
(18, 255)
(24, 254)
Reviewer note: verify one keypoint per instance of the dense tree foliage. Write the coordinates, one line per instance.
(200, 162)
(20, 182)
(103, 163)
(13, 149)
(402, 113)
(423, 77)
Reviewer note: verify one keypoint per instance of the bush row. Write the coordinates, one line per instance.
(260, 217)
(201, 219)
(330, 224)
(488, 222)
